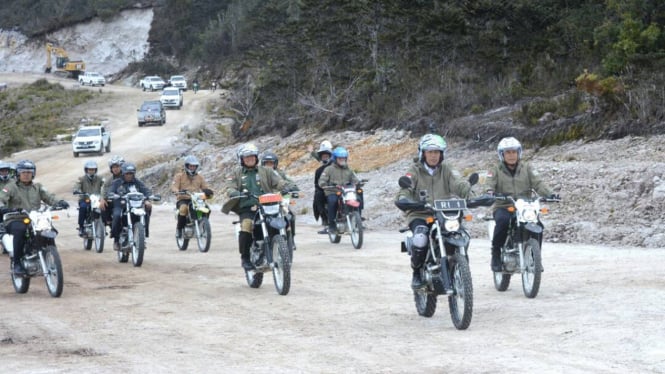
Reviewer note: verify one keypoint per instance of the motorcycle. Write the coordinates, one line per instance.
(521, 254)
(446, 270)
(195, 87)
(348, 219)
(269, 250)
(197, 224)
(132, 236)
(40, 254)
(94, 229)
(287, 201)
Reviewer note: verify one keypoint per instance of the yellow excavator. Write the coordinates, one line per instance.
(63, 65)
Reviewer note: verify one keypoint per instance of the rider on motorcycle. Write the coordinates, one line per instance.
(324, 155)
(188, 180)
(270, 160)
(441, 181)
(255, 180)
(115, 167)
(5, 173)
(338, 174)
(26, 195)
(89, 183)
(121, 186)
(510, 177)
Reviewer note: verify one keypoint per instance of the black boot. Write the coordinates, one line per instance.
(496, 260)
(244, 245)
(18, 268)
(182, 221)
(417, 281)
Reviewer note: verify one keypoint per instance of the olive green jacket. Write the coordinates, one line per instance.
(85, 185)
(335, 175)
(28, 197)
(444, 184)
(502, 181)
(267, 180)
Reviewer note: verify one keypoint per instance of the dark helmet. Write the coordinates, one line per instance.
(90, 165)
(191, 160)
(26, 165)
(128, 167)
(268, 157)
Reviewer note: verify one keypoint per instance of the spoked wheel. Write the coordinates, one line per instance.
(290, 242)
(53, 272)
(99, 235)
(281, 271)
(425, 302)
(461, 302)
(356, 230)
(533, 265)
(21, 283)
(87, 243)
(203, 239)
(501, 281)
(139, 244)
(334, 238)
(254, 278)
(122, 256)
(182, 241)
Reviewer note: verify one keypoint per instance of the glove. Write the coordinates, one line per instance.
(208, 192)
(473, 178)
(63, 204)
(235, 194)
(554, 196)
(285, 191)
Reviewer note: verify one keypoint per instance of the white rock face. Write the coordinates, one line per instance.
(106, 47)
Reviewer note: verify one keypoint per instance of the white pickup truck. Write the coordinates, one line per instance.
(152, 83)
(93, 139)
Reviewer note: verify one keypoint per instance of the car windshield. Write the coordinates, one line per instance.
(150, 107)
(155, 79)
(88, 132)
(177, 78)
(171, 93)
(93, 74)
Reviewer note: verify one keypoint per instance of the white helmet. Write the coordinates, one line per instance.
(509, 144)
(249, 149)
(431, 142)
(326, 145)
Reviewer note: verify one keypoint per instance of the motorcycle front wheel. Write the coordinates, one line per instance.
(460, 302)
(281, 270)
(205, 236)
(53, 272)
(100, 233)
(139, 244)
(21, 283)
(356, 230)
(531, 273)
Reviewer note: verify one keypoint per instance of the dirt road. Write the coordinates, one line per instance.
(350, 311)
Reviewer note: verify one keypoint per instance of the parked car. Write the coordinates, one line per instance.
(171, 97)
(178, 81)
(91, 139)
(151, 112)
(152, 83)
(92, 78)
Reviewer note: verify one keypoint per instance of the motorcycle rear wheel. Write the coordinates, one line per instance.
(281, 271)
(182, 242)
(21, 283)
(461, 302)
(356, 230)
(501, 281)
(53, 272)
(100, 233)
(425, 302)
(204, 239)
(139, 244)
(254, 278)
(531, 274)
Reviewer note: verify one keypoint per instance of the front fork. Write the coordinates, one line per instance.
(443, 259)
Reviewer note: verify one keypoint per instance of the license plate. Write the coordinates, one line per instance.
(450, 204)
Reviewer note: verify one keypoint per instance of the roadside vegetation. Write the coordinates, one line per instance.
(34, 114)
(592, 65)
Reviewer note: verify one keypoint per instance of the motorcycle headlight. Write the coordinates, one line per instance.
(138, 211)
(42, 223)
(451, 225)
(271, 209)
(530, 216)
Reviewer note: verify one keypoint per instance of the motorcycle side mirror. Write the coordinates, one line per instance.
(405, 182)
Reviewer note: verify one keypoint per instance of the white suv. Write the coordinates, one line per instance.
(171, 97)
(91, 139)
(178, 81)
(91, 78)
